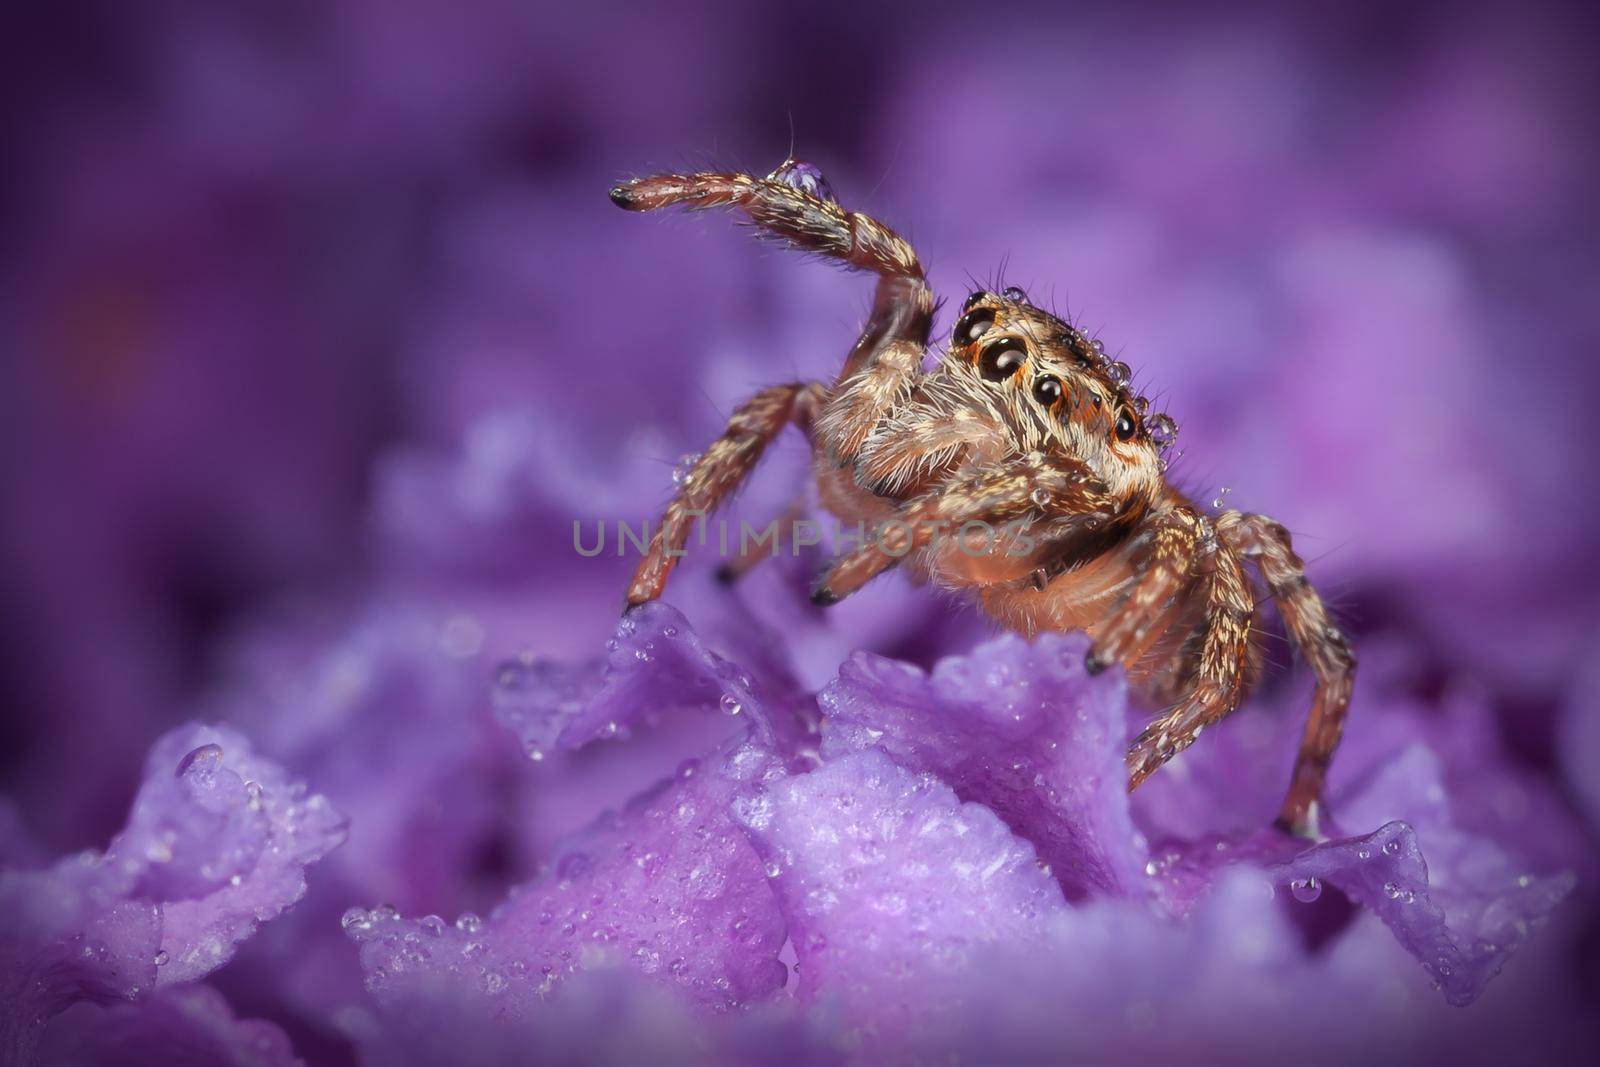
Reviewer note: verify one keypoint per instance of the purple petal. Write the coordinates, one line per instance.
(890, 883)
(1019, 728)
(218, 841)
(670, 886)
(183, 1024)
(655, 663)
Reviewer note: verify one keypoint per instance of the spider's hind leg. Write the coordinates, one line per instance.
(1322, 644)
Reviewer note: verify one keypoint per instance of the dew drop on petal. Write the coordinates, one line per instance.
(1305, 890)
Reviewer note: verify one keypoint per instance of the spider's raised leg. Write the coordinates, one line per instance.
(1031, 488)
(1220, 677)
(1259, 538)
(793, 206)
(718, 473)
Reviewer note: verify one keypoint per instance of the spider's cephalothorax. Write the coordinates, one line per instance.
(1021, 472)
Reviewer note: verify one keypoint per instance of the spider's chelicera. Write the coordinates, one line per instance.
(1024, 426)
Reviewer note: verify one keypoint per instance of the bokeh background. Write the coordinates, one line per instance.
(295, 296)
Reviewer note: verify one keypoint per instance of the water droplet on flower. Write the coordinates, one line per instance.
(358, 920)
(731, 705)
(468, 922)
(432, 925)
(773, 869)
(572, 865)
(1392, 890)
(161, 958)
(200, 761)
(1391, 848)
(1305, 890)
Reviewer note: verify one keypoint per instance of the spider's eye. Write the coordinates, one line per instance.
(1001, 359)
(973, 325)
(1125, 426)
(977, 295)
(1047, 389)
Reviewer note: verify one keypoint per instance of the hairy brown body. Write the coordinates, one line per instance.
(1019, 472)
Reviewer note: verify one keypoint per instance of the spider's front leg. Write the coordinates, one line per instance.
(1165, 574)
(1220, 676)
(996, 497)
(794, 205)
(718, 473)
(1259, 538)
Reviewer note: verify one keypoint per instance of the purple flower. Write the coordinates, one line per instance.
(217, 842)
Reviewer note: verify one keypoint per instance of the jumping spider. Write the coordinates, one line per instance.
(1023, 425)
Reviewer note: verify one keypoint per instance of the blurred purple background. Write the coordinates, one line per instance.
(273, 275)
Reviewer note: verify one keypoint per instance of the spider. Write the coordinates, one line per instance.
(1024, 425)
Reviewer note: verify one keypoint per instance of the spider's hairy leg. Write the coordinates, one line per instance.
(1220, 679)
(886, 359)
(994, 496)
(1324, 646)
(1165, 575)
(718, 473)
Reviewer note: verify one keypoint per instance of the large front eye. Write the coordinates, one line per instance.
(973, 325)
(1125, 427)
(1001, 359)
(1047, 389)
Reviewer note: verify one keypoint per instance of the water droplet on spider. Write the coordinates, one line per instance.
(1163, 430)
(805, 177)
(1015, 294)
(1098, 347)
(1119, 372)
(1221, 499)
(1041, 497)
(684, 468)
(1305, 890)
